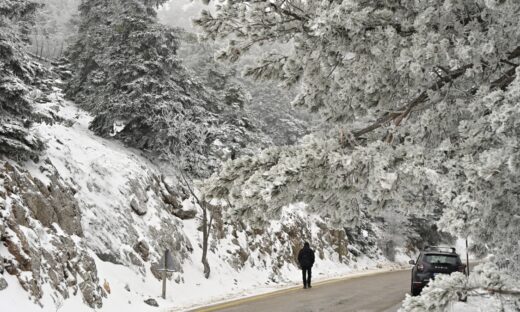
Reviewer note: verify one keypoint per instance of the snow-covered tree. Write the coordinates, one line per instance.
(359, 58)
(420, 101)
(264, 106)
(123, 63)
(17, 73)
(127, 72)
(53, 26)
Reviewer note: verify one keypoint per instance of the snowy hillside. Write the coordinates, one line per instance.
(114, 214)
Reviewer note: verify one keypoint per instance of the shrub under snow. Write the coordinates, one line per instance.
(486, 289)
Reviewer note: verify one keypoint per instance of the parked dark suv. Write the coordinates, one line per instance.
(431, 262)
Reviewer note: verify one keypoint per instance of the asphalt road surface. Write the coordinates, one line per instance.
(374, 293)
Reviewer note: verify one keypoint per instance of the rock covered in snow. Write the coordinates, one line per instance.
(53, 203)
(137, 208)
(3, 283)
(79, 202)
(39, 222)
(152, 302)
(276, 245)
(142, 250)
(123, 197)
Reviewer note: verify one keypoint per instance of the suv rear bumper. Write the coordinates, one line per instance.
(421, 279)
(419, 285)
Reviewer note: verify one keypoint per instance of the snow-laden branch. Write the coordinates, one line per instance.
(503, 81)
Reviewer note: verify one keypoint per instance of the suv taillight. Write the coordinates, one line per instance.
(462, 268)
(420, 267)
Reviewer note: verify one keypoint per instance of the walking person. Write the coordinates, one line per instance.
(306, 260)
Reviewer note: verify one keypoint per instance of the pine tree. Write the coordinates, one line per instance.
(127, 74)
(17, 73)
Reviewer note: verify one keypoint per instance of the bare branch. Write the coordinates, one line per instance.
(290, 13)
(501, 83)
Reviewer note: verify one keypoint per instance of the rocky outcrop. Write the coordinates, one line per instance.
(143, 250)
(179, 245)
(184, 214)
(152, 302)
(39, 218)
(137, 207)
(172, 198)
(276, 244)
(36, 223)
(49, 204)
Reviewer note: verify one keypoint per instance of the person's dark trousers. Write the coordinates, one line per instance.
(306, 274)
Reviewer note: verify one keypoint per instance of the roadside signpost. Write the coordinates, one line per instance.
(166, 265)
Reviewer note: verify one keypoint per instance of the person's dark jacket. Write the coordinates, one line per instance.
(306, 257)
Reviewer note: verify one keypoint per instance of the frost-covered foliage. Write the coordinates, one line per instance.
(359, 57)
(434, 79)
(126, 72)
(483, 176)
(53, 26)
(230, 96)
(336, 182)
(485, 281)
(17, 73)
(409, 232)
(265, 105)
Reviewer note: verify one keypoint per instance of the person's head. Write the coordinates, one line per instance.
(306, 245)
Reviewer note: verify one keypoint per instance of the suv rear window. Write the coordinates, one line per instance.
(444, 259)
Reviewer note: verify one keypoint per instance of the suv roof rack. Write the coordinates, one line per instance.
(441, 248)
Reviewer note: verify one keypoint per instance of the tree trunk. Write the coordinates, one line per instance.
(53, 54)
(205, 239)
(41, 49)
(340, 245)
(61, 50)
(206, 225)
(36, 42)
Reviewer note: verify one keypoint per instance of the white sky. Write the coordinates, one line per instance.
(180, 12)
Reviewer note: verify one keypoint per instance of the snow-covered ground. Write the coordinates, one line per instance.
(477, 304)
(101, 171)
(487, 288)
(195, 292)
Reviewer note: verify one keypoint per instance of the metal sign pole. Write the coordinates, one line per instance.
(166, 265)
(164, 275)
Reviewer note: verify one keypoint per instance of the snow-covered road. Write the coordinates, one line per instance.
(367, 293)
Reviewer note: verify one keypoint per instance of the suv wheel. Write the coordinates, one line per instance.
(414, 291)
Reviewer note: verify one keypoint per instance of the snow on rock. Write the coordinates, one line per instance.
(86, 200)
(121, 194)
(39, 226)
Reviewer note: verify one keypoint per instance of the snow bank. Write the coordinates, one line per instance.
(486, 289)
